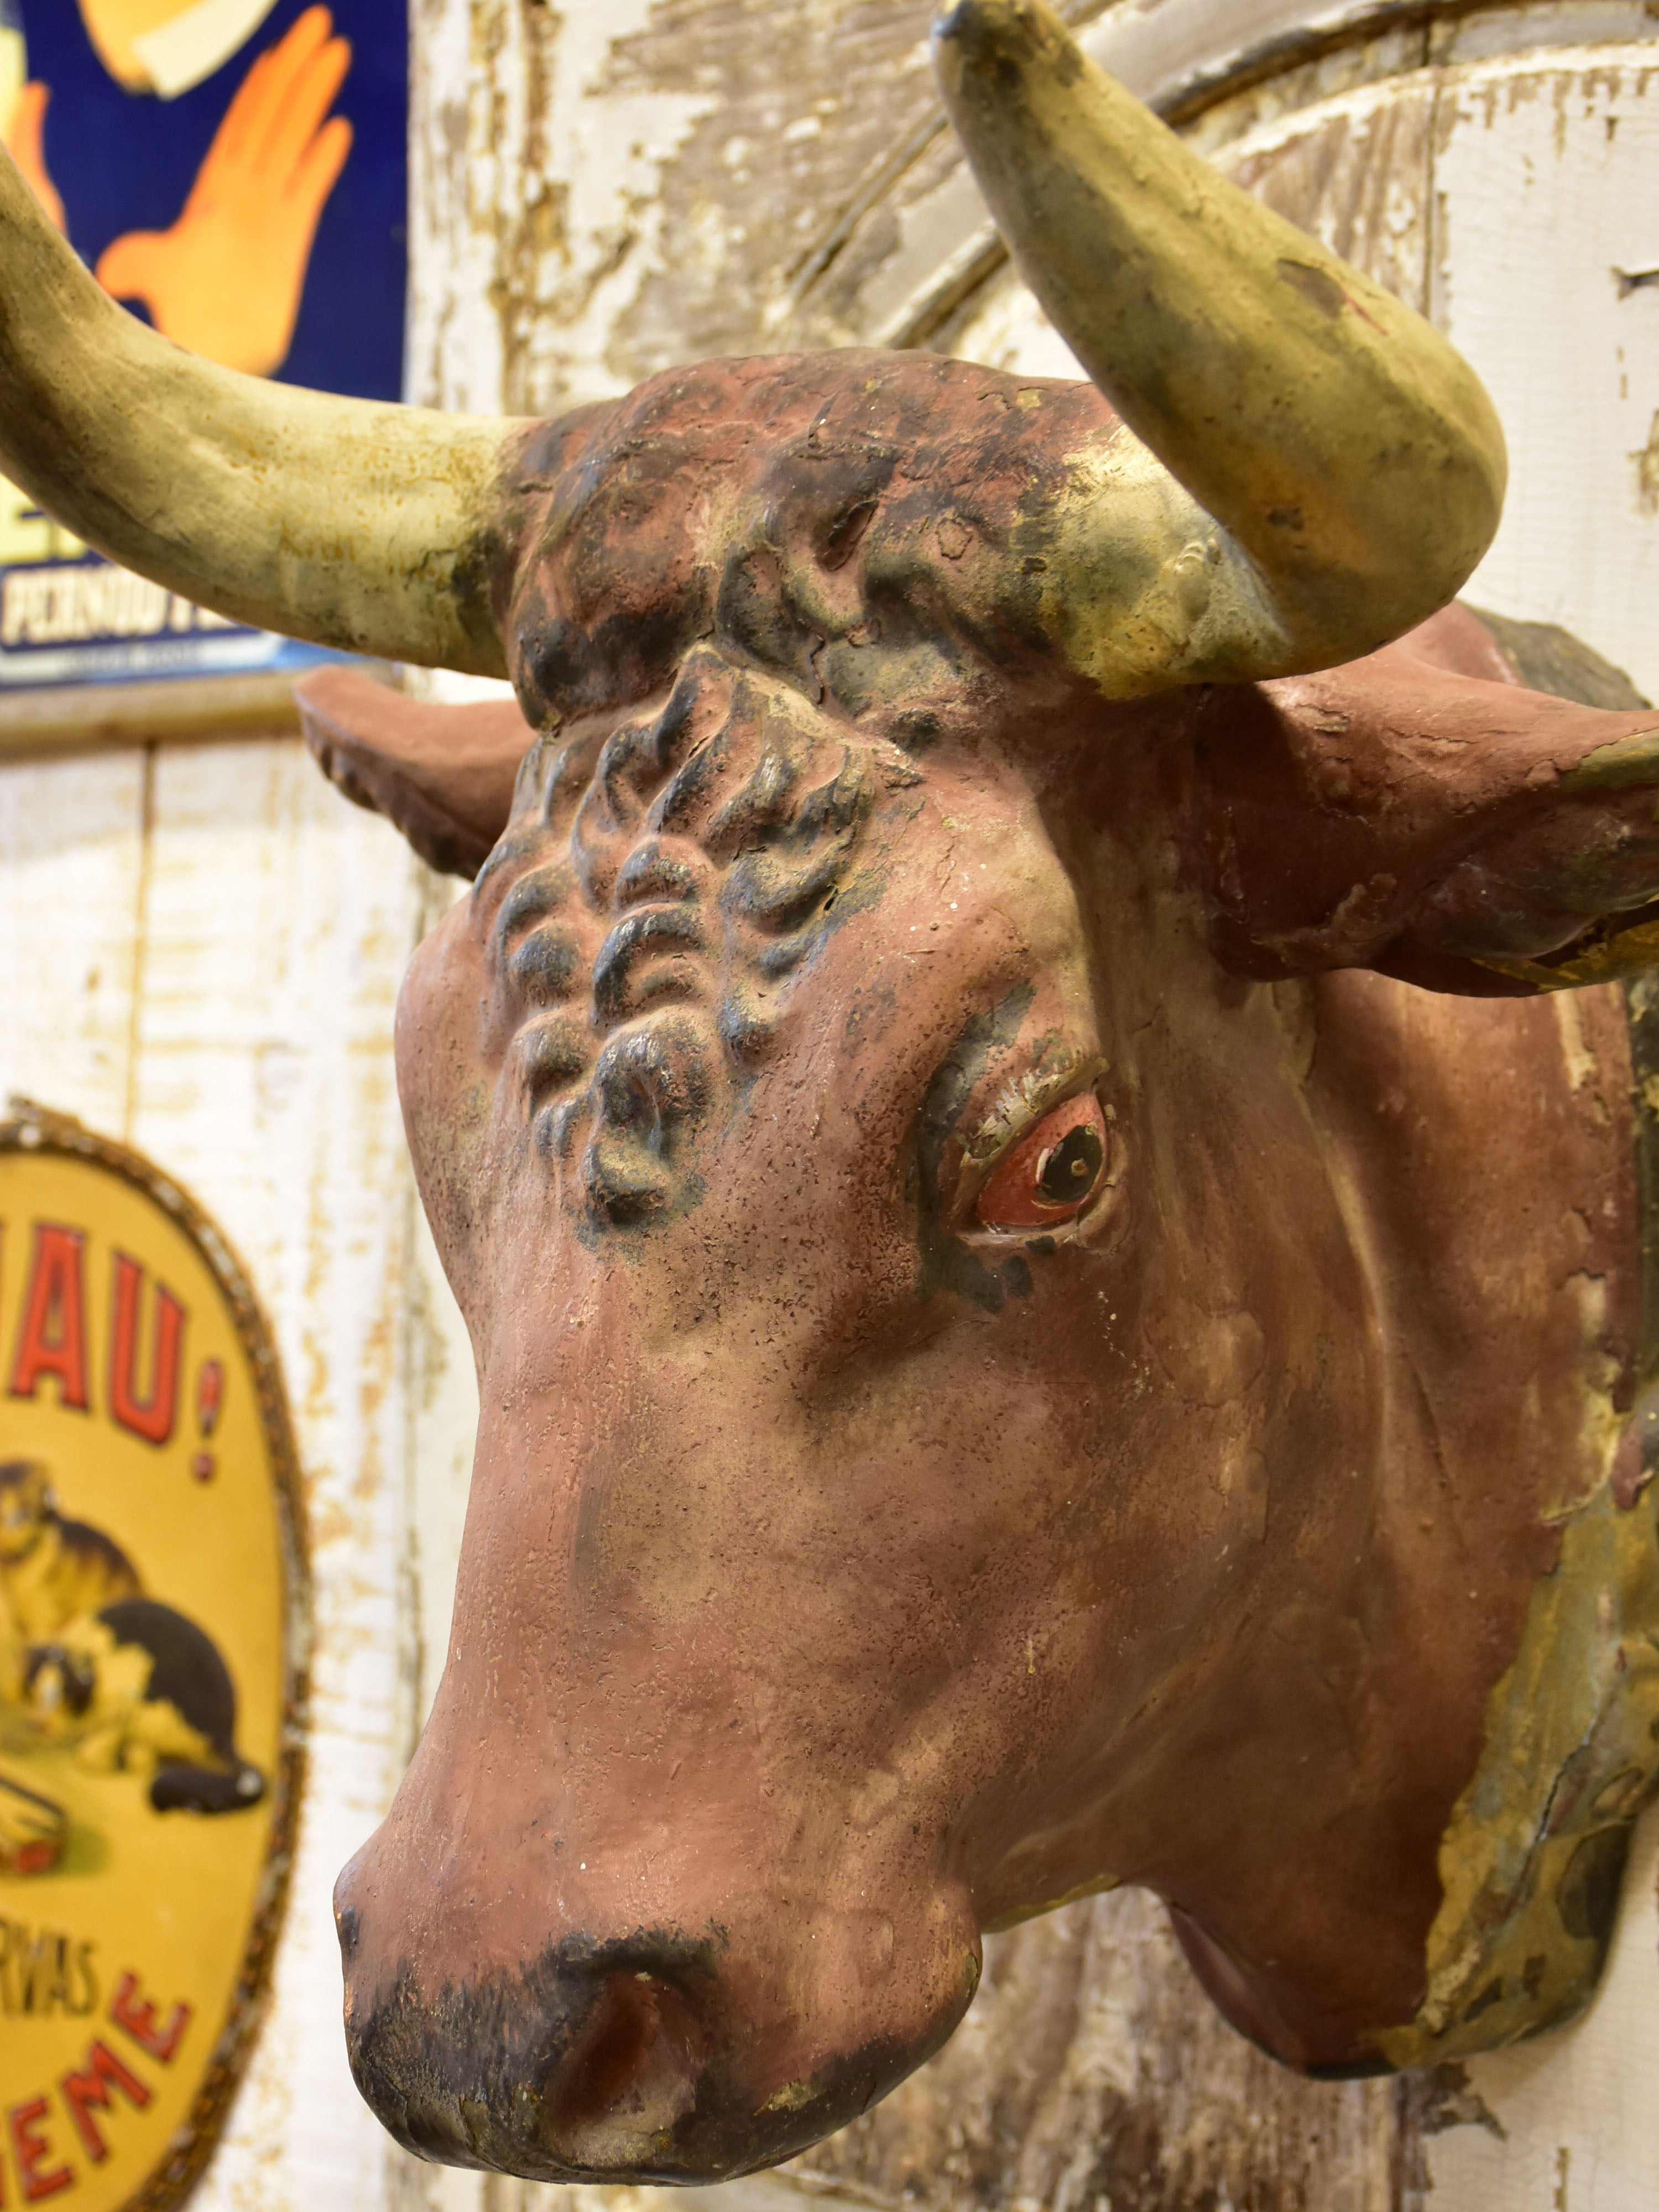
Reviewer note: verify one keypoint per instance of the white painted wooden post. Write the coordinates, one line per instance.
(275, 924)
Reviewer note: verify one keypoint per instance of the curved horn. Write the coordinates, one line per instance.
(1352, 459)
(343, 521)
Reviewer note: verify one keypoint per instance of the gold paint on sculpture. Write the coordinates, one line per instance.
(1532, 1860)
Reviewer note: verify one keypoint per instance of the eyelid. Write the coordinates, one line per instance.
(1022, 1103)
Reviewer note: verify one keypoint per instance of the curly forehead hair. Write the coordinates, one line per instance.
(659, 891)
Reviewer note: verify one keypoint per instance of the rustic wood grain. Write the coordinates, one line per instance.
(1547, 179)
(1092, 2070)
(1359, 177)
(602, 192)
(36, 724)
(71, 865)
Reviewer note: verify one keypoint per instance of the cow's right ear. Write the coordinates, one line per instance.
(444, 774)
(1423, 812)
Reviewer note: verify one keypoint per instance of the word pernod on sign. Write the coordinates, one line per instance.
(151, 1594)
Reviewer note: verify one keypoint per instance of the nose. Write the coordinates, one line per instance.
(648, 2057)
(589, 2061)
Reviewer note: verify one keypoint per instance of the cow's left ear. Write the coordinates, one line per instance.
(1424, 813)
(443, 774)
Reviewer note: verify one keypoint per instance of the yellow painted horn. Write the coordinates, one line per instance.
(1311, 468)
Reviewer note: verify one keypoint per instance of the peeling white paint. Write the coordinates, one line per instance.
(536, 180)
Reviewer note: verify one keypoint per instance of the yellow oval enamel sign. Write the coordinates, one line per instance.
(151, 1594)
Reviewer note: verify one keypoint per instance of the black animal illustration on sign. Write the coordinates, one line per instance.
(141, 1688)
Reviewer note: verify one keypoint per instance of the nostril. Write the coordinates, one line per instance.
(349, 1890)
(589, 2062)
(610, 2059)
(628, 2074)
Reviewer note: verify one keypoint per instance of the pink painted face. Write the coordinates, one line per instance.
(854, 1486)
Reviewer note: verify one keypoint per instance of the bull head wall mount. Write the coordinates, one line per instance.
(1057, 1283)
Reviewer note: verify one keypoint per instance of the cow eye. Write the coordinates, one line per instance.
(1052, 1173)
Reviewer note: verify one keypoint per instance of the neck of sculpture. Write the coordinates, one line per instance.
(1354, 1792)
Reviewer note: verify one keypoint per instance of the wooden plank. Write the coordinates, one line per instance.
(1355, 172)
(1538, 26)
(1548, 181)
(939, 247)
(1091, 2071)
(1353, 169)
(1183, 55)
(71, 877)
(921, 246)
(85, 717)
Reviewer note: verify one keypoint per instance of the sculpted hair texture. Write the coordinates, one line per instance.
(723, 831)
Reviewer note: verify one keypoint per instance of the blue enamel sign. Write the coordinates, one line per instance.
(233, 172)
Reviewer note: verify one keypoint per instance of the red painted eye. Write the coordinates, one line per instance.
(1051, 1174)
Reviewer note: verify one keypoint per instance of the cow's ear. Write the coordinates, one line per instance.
(1425, 813)
(444, 774)
(1543, 657)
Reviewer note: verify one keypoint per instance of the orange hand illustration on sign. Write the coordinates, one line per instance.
(225, 281)
(23, 136)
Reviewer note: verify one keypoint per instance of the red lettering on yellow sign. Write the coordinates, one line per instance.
(151, 1415)
(86, 2089)
(135, 2012)
(30, 2150)
(90, 2088)
(52, 1337)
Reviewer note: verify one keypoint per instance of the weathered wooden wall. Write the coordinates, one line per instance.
(199, 946)
(200, 952)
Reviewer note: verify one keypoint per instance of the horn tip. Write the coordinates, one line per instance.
(1004, 38)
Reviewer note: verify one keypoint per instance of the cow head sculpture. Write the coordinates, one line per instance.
(1056, 1300)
